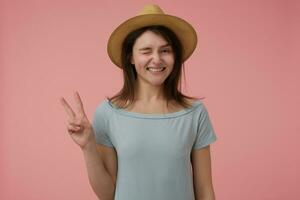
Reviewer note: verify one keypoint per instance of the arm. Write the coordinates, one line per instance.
(202, 178)
(110, 160)
(82, 132)
(99, 178)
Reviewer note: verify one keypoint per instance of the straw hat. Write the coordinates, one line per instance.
(152, 15)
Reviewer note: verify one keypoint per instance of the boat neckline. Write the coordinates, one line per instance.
(181, 112)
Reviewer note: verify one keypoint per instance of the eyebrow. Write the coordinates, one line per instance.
(148, 48)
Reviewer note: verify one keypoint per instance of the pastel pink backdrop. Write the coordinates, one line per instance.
(245, 65)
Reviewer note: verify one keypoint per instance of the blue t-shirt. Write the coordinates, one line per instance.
(153, 150)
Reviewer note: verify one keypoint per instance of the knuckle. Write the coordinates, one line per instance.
(71, 121)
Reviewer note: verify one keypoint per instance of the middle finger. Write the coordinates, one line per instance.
(67, 108)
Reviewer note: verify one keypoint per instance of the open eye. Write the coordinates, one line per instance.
(167, 50)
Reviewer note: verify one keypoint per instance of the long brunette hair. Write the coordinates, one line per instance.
(172, 85)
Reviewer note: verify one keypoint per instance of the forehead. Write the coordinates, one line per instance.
(150, 39)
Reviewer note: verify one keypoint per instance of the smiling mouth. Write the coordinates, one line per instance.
(155, 69)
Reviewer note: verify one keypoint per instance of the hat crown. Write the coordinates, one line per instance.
(152, 15)
(151, 9)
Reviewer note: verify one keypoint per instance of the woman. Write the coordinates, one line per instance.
(149, 141)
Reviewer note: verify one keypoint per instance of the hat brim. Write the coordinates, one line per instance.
(183, 30)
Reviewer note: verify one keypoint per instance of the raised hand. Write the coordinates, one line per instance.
(79, 127)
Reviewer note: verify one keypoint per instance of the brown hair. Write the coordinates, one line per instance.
(172, 85)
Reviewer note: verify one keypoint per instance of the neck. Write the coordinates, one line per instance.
(149, 93)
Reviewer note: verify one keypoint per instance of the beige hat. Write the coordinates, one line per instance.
(152, 15)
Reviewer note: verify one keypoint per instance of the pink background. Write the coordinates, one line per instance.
(245, 65)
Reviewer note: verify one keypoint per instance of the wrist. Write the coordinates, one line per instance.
(89, 146)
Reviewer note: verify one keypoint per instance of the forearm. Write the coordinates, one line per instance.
(99, 178)
(207, 198)
(207, 195)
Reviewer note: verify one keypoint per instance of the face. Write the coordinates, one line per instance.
(153, 58)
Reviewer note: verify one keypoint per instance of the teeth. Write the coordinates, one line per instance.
(155, 69)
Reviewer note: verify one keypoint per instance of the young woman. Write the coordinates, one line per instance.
(149, 141)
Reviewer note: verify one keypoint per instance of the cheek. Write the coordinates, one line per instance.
(170, 59)
(141, 60)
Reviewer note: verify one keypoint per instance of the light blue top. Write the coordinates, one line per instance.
(153, 149)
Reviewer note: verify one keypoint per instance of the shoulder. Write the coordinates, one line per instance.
(102, 109)
(118, 103)
(102, 105)
(191, 102)
(197, 105)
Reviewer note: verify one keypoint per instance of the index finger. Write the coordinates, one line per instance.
(67, 108)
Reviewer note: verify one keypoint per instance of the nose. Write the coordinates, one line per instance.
(156, 59)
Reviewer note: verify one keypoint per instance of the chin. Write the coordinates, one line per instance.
(160, 83)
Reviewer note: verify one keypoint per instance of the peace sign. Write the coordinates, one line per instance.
(79, 127)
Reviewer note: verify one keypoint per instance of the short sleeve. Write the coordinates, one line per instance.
(205, 131)
(100, 126)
